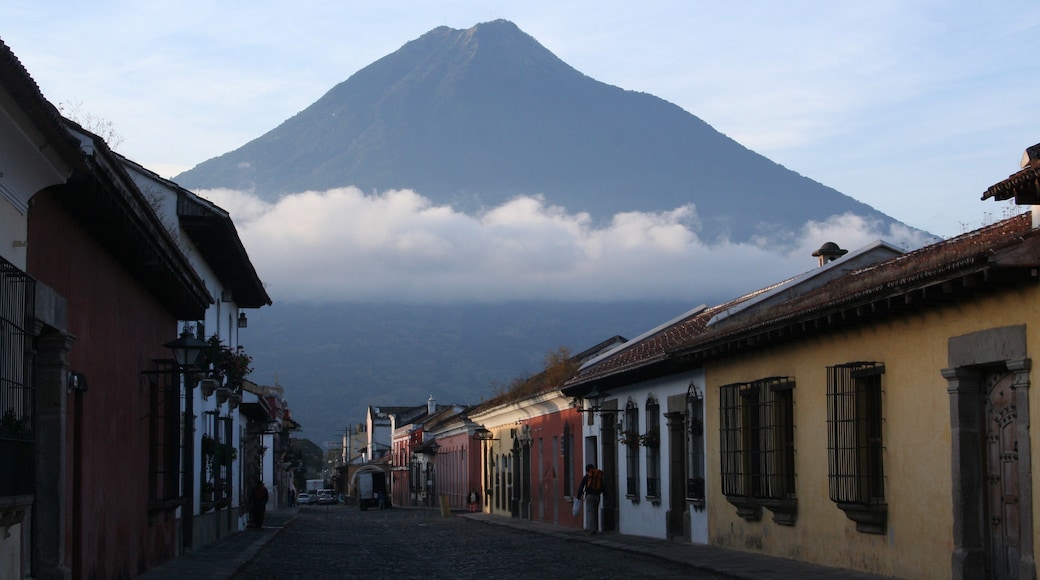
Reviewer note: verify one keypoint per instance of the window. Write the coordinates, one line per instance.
(854, 443)
(218, 455)
(164, 436)
(568, 467)
(630, 438)
(757, 448)
(695, 447)
(17, 310)
(651, 439)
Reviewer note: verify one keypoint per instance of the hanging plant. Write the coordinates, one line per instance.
(235, 364)
(650, 439)
(232, 364)
(629, 438)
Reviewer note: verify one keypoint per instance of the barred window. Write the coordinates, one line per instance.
(694, 445)
(757, 447)
(630, 438)
(164, 435)
(17, 310)
(218, 455)
(651, 439)
(854, 428)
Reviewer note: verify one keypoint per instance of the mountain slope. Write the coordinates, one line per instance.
(475, 117)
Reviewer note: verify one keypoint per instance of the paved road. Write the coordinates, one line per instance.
(343, 542)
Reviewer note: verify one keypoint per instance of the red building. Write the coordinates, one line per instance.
(88, 385)
(95, 243)
(531, 461)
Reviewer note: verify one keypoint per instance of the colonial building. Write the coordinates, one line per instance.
(108, 285)
(646, 427)
(876, 419)
(207, 235)
(532, 459)
(97, 284)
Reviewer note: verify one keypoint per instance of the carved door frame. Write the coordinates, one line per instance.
(973, 357)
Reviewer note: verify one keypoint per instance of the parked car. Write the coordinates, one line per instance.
(326, 497)
(304, 499)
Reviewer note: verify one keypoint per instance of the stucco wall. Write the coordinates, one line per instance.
(916, 434)
(119, 329)
(550, 492)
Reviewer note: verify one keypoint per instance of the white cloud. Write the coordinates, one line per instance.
(343, 245)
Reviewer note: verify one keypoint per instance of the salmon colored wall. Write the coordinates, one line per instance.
(119, 329)
(916, 435)
(550, 493)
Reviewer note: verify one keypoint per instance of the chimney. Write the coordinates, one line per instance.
(829, 252)
(1031, 158)
(431, 406)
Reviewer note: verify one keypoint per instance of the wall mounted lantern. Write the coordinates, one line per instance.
(693, 393)
(243, 322)
(595, 398)
(186, 349)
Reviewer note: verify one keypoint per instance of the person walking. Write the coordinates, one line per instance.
(258, 505)
(591, 490)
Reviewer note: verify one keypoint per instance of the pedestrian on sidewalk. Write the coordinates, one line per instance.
(472, 500)
(591, 490)
(258, 505)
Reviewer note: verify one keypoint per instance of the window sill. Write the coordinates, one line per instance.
(747, 508)
(785, 511)
(870, 519)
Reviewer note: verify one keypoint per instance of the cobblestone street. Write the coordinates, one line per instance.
(344, 542)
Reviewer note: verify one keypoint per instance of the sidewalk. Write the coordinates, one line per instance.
(221, 559)
(712, 559)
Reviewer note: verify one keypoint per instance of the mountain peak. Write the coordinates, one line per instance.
(473, 118)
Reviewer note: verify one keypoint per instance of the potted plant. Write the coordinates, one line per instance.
(12, 424)
(208, 386)
(234, 399)
(231, 364)
(650, 439)
(629, 438)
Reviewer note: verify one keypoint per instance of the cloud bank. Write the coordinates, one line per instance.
(342, 245)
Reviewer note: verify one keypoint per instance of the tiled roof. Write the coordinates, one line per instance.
(25, 91)
(1024, 186)
(898, 276)
(679, 345)
(654, 348)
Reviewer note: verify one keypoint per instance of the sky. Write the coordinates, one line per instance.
(914, 108)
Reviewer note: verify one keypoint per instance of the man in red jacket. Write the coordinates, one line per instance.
(258, 505)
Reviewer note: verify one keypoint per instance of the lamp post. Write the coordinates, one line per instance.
(186, 350)
(484, 436)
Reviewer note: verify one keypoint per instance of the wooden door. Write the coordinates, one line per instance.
(1002, 493)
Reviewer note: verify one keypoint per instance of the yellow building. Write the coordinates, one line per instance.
(881, 422)
(874, 416)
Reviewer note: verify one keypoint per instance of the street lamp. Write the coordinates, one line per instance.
(595, 397)
(186, 350)
(485, 436)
